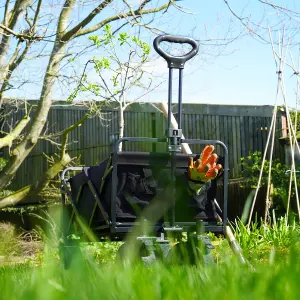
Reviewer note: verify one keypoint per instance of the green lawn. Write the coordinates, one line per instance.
(88, 280)
(30, 268)
(274, 255)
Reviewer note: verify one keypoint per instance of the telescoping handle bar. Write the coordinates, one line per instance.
(174, 136)
(176, 62)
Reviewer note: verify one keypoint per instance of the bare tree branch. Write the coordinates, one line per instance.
(9, 138)
(246, 24)
(11, 21)
(121, 16)
(71, 33)
(14, 63)
(279, 7)
(67, 131)
(21, 36)
(143, 4)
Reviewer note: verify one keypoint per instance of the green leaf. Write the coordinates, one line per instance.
(101, 63)
(95, 39)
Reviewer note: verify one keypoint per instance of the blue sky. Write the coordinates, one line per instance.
(241, 73)
(245, 72)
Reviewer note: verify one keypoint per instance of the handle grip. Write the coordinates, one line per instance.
(175, 61)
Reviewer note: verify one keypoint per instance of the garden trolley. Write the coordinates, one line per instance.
(133, 196)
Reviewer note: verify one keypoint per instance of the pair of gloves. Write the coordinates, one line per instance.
(204, 168)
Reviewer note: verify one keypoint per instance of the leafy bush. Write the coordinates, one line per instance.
(251, 166)
(103, 252)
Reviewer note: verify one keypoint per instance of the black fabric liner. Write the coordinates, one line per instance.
(137, 186)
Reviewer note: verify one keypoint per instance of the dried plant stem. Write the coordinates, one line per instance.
(261, 170)
(293, 169)
(292, 135)
(273, 125)
(280, 72)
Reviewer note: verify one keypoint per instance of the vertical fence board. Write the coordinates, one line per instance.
(238, 144)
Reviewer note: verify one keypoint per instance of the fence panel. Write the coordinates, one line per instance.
(243, 129)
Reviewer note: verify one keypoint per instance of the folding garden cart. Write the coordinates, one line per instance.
(134, 193)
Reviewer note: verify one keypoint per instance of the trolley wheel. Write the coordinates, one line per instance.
(138, 254)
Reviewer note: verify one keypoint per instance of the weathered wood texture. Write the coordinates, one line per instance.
(243, 129)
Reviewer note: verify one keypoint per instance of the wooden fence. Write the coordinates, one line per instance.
(243, 129)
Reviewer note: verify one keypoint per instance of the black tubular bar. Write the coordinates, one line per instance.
(139, 139)
(184, 228)
(114, 188)
(170, 97)
(173, 180)
(164, 140)
(67, 192)
(98, 201)
(179, 99)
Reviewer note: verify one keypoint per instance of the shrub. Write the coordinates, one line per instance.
(251, 166)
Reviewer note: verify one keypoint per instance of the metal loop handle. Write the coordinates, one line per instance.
(175, 61)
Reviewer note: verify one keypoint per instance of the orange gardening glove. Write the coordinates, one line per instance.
(205, 168)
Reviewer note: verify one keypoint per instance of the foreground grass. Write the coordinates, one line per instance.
(273, 252)
(87, 280)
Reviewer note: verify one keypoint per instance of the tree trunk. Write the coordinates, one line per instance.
(63, 36)
(35, 189)
(39, 118)
(121, 125)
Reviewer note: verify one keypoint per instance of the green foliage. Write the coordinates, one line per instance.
(144, 46)
(123, 37)
(119, 68)
(87, 280)
(251, 166)
(293, 115)
(103, 252)
(96, 40)
(260, 236)
(102, 63)
(5, 193)
(95, 275)
(3, 163)
(78, 89)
